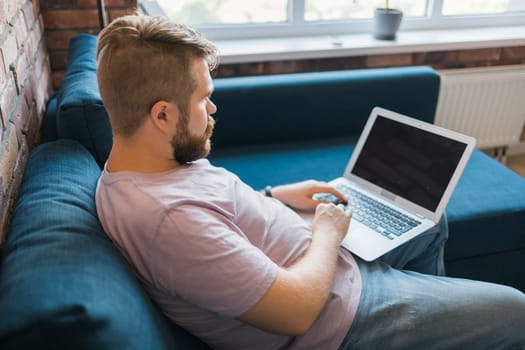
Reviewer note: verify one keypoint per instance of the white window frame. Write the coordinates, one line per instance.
(297, 26)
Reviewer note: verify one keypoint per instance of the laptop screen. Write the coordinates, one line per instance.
(410, 162)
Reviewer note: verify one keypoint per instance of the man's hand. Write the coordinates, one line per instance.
(331, 220)
(299, 195)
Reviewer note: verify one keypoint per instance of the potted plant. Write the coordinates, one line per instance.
(386, 22)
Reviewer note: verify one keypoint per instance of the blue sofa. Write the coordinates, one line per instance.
(64, 285)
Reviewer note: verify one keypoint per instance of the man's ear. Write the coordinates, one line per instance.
(164, 115)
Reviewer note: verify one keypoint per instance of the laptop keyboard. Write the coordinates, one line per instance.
(388, 222)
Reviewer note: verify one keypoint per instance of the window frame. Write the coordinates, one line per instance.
(297, 26)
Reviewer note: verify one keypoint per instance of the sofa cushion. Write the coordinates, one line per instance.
(81, 115)
(63, 284)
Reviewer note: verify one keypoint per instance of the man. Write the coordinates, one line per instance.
(243, 271)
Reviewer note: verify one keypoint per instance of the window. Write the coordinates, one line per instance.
(224, 19)
(225, 12)
(477, 7)
(323, 10)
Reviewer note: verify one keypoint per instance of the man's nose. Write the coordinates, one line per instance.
(212, 108)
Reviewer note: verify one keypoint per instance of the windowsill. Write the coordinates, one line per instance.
(328, 46)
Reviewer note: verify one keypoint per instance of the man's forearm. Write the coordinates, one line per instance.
(299, 293)
(315, 272)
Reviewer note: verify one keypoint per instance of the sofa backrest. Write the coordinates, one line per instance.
(80, 113)
(306, 106)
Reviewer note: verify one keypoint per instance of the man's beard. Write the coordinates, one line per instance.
(188, 148)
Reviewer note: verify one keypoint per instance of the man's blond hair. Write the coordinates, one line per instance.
(142, 60)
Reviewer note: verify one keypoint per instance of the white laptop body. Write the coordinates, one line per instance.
(408, 165)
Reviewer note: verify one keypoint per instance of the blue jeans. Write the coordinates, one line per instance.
(402, 306)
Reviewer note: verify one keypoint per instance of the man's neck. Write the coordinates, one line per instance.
(134, 156)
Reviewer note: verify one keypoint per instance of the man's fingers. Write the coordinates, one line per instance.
(331, 190)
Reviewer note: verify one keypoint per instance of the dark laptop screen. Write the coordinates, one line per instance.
(412, 163)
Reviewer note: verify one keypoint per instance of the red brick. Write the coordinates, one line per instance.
(41, 25)
(37, 37)
(479, 55)
(27, 92)
(225, 70)
(33, 83)
(40, 59)
(54, 4)
(3, 72)
(59, 39)
(517, 52)
(29, 16)
(3, 13)
(108, 3)
(500, 62)
(21, 71)
(278, 67)
(8, 197)
(12, 7)
(436, 57)
(255, 68)
(8, 100)
(403, 59)
(43, 89)
(36, 7)
(306, 65)
(123, 3)
(341, 63)
(8, 157)
(57, 77)
(68, 19)
(88, 3)
(20, 30)
(9, 49)
(58, 59)
(20, 120)
(33, 127)
(29, 46)
(113, 14)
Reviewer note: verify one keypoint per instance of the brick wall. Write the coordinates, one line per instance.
(64, 19)
(25, 86)
(439, 60)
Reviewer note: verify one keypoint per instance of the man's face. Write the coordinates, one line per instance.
(192, 139)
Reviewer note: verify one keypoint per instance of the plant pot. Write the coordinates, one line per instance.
(386, 23)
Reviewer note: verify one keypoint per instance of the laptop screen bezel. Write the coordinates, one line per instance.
(388, 196)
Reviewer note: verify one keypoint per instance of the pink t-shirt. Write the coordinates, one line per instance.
(207, 247)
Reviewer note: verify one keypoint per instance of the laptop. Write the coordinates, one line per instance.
(398, 181)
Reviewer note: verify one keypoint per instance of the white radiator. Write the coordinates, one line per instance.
(486, 103)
